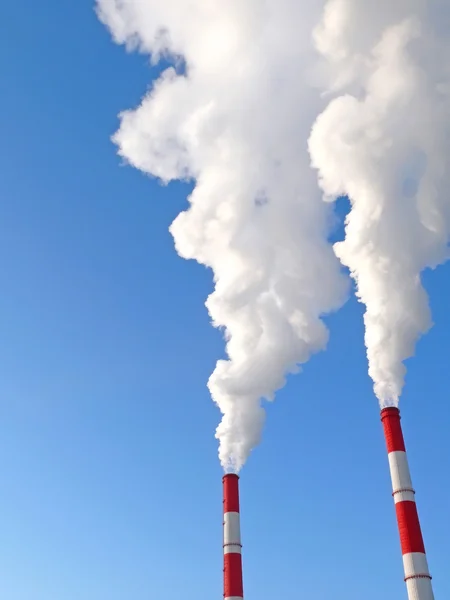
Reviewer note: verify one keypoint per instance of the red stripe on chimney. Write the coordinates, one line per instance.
(230, 493)
(390, 418)
(232, 578)
(409, 527)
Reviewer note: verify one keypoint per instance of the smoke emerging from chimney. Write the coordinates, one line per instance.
(384, 141)
(237, 121)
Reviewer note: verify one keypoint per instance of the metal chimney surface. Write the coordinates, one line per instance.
(417, 575)
(232, 547)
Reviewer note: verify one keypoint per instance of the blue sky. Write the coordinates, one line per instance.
(110, 488)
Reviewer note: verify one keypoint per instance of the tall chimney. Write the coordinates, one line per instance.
(417, 575)
(232, 559)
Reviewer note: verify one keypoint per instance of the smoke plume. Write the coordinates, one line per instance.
(371, 80)
(236, 122)
(384, 141)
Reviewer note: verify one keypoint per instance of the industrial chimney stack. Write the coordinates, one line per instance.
(232, 559)
(417, 576)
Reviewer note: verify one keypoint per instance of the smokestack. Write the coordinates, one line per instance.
(232, 559)
(417, 575)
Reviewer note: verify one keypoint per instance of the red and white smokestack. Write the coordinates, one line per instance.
(417, 575)
(232, 558)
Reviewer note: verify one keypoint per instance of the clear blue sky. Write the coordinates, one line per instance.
(110, 488)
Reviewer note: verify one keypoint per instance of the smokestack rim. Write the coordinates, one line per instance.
(229, 476)
(389, 412)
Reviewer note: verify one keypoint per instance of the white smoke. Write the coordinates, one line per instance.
(237, 123)
(385, 143)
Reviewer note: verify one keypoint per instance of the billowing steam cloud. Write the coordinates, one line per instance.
(237, 120)
(385, 143)
(238, 123)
